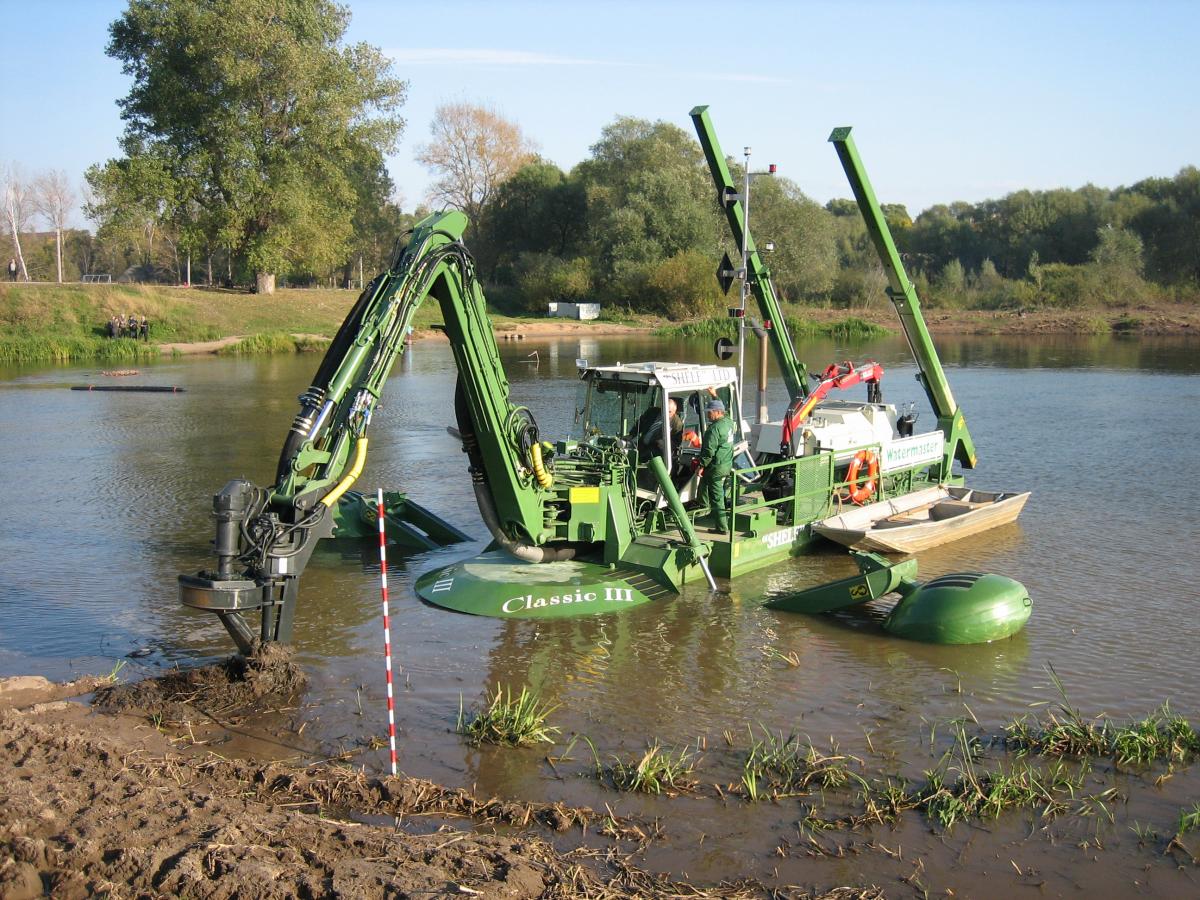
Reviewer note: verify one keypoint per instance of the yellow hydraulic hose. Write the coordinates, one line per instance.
(360, 458)
(544, 478)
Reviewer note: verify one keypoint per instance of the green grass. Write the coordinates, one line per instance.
(1065, 732)
(850, 328)
(656, 771)
(57, 323)
(1189, 819)
(274, 342)
(779, 766)
(45, 348)
(512, 721)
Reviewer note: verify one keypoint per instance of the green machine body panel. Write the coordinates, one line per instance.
(960, 608)
(908, 306)
(878, 577)
(494, 584)
(966, 608)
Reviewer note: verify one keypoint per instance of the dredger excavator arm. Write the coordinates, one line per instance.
(903, 295)
(265, 536)
(758, 275)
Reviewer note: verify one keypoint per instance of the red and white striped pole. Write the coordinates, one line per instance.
(387, 630)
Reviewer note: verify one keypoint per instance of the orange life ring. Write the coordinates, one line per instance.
(860, 495)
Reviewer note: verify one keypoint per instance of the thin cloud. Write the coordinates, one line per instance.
(433, 56)
(436, 56)
(736, 77)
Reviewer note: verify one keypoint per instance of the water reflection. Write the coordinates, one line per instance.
(113, 494)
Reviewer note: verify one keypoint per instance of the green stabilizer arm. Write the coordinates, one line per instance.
(878, 577)
(795, 373)
(904, 296)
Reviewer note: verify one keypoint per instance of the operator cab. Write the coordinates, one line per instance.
(630, 404)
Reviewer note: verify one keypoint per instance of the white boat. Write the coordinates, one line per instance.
(922, 519)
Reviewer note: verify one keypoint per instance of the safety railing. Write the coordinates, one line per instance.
(816, 491)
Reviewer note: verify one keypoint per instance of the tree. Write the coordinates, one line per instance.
(538, 210)
(53, 197)
(257, 112)
(649, 198)
(131, 200)
(474, 150)
(804, 263)
(17, 209)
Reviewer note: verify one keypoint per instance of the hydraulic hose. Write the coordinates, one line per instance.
(522, 550)
(544, 478)
(360, 458)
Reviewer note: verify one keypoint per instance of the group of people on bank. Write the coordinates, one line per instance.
(133, 327)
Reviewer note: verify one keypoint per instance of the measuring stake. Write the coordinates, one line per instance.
(387, 631)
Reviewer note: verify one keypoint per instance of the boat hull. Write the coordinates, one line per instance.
(933, 522)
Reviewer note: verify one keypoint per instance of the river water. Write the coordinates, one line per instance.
(108, 499)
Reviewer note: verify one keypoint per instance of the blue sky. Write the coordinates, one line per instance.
(949, 101)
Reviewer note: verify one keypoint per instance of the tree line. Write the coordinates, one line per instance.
(637, 225)
(254, 147)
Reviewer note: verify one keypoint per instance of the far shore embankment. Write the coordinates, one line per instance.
(61, 323)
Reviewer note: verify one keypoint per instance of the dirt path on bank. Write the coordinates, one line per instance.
(130, 802)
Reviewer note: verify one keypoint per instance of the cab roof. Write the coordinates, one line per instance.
(671, 376)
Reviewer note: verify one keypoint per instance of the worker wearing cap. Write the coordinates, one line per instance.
(716, 458)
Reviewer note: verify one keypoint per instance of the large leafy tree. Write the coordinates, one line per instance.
(263, 120)
(649, 198)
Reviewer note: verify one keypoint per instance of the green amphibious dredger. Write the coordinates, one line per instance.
(607, 518)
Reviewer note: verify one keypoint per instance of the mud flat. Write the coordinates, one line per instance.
(122, 798)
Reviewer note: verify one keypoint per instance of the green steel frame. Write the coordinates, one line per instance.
(903, 295)
(795, 374)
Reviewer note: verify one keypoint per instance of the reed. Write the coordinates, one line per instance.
(274, 342)
(508, 720)
(851, 328)
(779, 766)
(1162, 735)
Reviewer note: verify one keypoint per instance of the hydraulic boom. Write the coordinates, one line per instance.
(758, 275)
(266, 536)
(904, 297)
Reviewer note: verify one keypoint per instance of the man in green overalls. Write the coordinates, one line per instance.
(716, 458)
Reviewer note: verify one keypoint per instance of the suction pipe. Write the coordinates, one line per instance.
(659, 468)
(522, 550)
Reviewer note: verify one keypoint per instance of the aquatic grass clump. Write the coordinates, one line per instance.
(508, 720)
(779, 766)
(851, 328)
(1189, 820)
(1064, 732)
(657, 771)
(274, 342)
(986, 793)
(1161, 735)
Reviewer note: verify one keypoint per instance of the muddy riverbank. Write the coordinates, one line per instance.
(125, 798)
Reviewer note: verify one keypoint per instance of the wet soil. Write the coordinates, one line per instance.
(109, 800)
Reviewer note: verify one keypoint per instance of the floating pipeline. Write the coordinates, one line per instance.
(130, 388)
